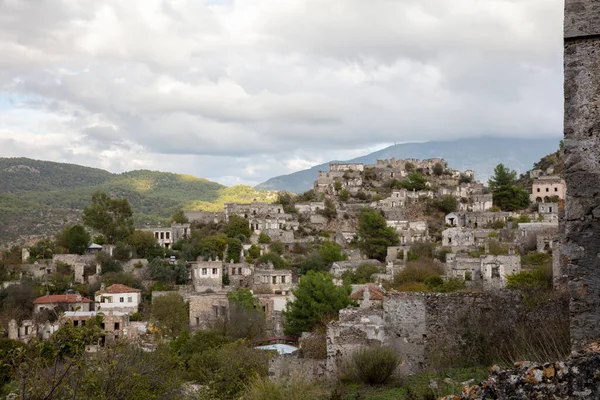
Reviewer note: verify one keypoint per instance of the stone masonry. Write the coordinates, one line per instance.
(582, 164)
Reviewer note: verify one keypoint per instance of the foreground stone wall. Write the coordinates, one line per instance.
(582, 164)
(575, 378)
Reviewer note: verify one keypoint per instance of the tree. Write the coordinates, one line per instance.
(237, 226)
(246, 318)
(415, 181)
(180, 218)
(329, 211)
(511, 198)
(438, 169)
(263, 238)
(344, 195)
(331, 252)
(374, 234)
(143, 243)
(316, 300)
(446, 203)
(234, 249)
(503, 176)
(170, 311)
(74, 238)
(111, 217)
(287, 201)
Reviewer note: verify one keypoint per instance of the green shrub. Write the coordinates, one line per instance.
(261, 388)
(263, 238)
(372, 365)
(226, 370)
(361, 275)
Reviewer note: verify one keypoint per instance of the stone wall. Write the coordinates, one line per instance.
(423, 327)
(582, 156)
(575, 378)
(287, 367)
(355, 328)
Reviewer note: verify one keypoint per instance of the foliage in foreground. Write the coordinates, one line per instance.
(372, 365)
(261, 388)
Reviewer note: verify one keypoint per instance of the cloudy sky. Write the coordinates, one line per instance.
(239, 91)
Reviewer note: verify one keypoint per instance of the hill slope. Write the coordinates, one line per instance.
(481, 155)
(40, 197)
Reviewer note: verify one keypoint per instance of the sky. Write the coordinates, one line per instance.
(241, 91)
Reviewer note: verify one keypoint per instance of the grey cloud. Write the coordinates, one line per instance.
(238, 89)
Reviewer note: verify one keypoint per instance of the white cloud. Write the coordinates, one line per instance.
(239, 91)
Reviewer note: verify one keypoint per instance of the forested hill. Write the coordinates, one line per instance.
(40, 197)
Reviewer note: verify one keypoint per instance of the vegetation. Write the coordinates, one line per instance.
(507, 196)
(372, 365)
(113, 218)
(374, 234)
(39, 197)
(170, 312)
(361, 275)
(317, 301)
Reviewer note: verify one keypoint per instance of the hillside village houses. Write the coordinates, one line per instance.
(466, 237)
(118, 297)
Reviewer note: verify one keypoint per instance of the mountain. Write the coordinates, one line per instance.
(480, 155)
(40, 197)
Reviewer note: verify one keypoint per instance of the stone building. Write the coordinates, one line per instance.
(546, 187)
(368, 296)
(205, 217)
(115, 324)
(206, 274)
(278, 281)
(355, 328)
(487, 272)
(118, 297)
(256, 210)
(65, 302)
(273, 305)
(339, 267)
(464, 238)
(169, 235)
(476, 219)
(207, 309)
(410, 231)
(548, 211)
(347, 176)
(476, 203)
(240, 274)
(310, 207)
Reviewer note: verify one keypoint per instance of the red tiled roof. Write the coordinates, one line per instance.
(118, 288)
(61, 298)
(374, 293)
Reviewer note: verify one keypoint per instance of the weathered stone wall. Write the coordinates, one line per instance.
(582, 164)
(575, 378)
(423, 326)
(356, 328)
(286, 367)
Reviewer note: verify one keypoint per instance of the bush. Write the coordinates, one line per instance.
(361, 275)
(263, 238)
(261, 388)
(372, 365)
(227, 369)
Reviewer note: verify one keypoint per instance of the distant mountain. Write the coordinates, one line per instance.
(480, 155)
(40, 197)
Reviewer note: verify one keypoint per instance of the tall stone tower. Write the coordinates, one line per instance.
(582, 161)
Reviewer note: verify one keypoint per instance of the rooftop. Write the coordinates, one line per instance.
(61, 298)
(118, 288)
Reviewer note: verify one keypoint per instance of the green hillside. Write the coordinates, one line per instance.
(39, 197)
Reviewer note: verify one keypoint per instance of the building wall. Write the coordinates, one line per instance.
(207, 275)
(207, 309)
(545, 188)
(124, 302)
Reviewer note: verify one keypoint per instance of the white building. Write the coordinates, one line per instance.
(118, 297)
